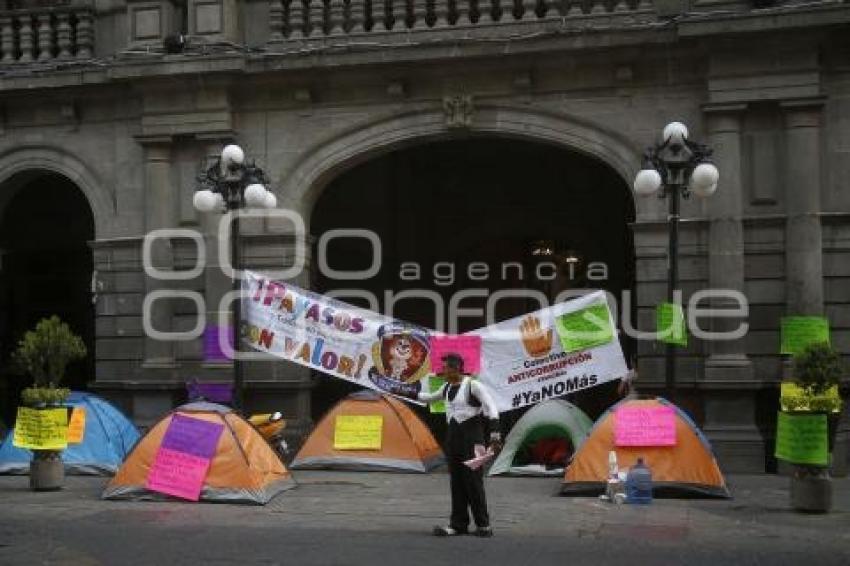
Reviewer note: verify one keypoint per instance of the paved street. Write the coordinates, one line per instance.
(369, 518)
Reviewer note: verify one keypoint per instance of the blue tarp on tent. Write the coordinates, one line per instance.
(107, 439)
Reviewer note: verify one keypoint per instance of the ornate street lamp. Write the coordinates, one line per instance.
(678, 167)
(229, 184)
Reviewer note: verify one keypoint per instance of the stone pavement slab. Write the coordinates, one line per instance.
(379, 518)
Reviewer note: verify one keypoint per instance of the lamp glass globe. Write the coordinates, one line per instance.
(704, 175)
(204, 201)
(703, 191)
(232, 154)
(647, 182)
(255, 195)
(675, 132)
(271, 200)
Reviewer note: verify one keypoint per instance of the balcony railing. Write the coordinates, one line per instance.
(300, 19)
(46, 34)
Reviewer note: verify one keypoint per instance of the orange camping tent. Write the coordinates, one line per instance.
(244, 469)
(687, 468)
(406, 444)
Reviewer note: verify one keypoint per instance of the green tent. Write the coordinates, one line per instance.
(551, 419)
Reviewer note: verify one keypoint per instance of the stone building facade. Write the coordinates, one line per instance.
(125, 99)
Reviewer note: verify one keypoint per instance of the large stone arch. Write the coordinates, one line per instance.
(57, 160)
(330, 157)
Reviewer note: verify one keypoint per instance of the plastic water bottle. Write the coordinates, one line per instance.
(639, 484)
(614, 486)
(613, 468)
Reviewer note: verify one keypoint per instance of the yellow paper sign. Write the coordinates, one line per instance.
(358, 432)
(41, 429)
(792, 397)
(77, 425)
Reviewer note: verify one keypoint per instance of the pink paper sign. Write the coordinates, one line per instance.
(645, 426)
(469, 348)
(177, 473)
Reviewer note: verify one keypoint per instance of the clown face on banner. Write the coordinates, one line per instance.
(400, 356)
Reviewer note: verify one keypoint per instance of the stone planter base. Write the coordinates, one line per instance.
(811, 493)
(47, 472)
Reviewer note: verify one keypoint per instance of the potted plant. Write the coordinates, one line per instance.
(44, 353)
(817, 372)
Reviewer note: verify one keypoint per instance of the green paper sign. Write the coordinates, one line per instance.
(801, 331)
(801, 439)
(435, 383)
(670, 324)
(586, 328)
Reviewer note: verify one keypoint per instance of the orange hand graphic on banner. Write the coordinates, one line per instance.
(537, 342)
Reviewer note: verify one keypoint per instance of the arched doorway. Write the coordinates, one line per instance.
(482, 213)
(45, 268)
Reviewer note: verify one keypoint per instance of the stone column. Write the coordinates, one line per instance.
(803, 239)
(727, 360)
(804, 292)
(160, 212)
(728, 385)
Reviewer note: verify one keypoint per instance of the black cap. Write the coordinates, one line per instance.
(453, 359)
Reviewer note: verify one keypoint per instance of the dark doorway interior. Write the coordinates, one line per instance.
(45, 269)
(498, 202)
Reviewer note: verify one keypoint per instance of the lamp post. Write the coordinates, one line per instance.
(231, 184)
(676, 167)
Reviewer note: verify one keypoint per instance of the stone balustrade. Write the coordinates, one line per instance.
(46, 34)
(299, 19)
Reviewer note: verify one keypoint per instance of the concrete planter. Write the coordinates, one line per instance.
(47, 472)
(811, 489)
(811, 486)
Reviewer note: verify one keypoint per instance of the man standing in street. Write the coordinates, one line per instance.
(466, 400)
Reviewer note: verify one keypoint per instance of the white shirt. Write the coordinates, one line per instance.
(460, 408)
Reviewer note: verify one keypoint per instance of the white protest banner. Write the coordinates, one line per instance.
(334, 337)
(551, 352)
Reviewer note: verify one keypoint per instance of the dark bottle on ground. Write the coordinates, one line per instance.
(639, 484)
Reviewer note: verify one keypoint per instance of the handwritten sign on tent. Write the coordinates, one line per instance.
(41, 429)
(358, 432)
(469, 348)
(645, 426)
(798, 332)
(77, 425)
(586, 328)
(178, 474)
(802, 439)
(670, 324)
(184, 457)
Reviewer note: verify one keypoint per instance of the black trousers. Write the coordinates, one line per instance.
(467, 485)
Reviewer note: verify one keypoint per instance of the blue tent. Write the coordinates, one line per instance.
(107, 439)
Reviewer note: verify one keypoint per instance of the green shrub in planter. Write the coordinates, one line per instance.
(44, 396)
(44, 353)
(817, 370)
